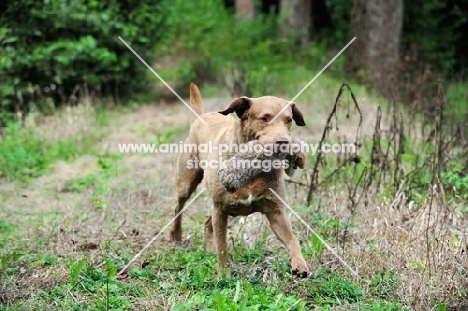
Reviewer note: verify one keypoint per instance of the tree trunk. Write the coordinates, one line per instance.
(376, 24)
(246, 9)
(296, 16)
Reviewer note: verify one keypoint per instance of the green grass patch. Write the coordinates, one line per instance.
(108, 169)
(24, 154)
(187, 280)
(457, 99)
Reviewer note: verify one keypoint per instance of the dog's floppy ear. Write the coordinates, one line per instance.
(239, 106)
(298, 117)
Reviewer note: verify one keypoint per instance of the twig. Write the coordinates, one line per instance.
(295, 182)
(376, 153)
(314, 175)
(117, 231)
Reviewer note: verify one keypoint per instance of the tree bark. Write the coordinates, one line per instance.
(296, 16)
(374, 55)
(245, 9)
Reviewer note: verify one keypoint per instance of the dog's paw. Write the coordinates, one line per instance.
(299, 267)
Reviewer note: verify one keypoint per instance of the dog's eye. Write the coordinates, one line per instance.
(290, 121)
(264, 119)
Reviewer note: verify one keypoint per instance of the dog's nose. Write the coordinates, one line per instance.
(282, 141)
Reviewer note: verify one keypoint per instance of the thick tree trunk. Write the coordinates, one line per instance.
(376, 24)
(246, 9)
(296, 15)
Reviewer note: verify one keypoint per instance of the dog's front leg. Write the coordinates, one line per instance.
(219, 221)
(281, 226)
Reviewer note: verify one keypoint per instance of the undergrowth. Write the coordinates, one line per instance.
(26, 153)
(175, 282)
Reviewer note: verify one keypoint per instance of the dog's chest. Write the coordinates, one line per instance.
(245, 202)
(248, 202)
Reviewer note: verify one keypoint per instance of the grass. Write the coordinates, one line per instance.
(173, 281)
(25, 153)
(457, 99)
(97, 182)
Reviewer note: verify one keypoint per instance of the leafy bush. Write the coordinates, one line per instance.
(456, 181)
(66, 49)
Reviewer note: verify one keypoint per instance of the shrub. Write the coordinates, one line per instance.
(63, 50)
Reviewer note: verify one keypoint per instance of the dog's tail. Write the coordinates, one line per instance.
(195, 102)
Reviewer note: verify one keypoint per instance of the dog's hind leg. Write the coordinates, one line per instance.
(209, 238)
(187, 179)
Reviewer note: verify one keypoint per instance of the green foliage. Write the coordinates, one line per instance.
(6, 226)
(455, 180)
(326, 288)
(75, 269)
(96, 181)
(25, 154)
(189, 281)
(441, 307)
(4, 262)
(7, 231)
(21, 153)
(435, 28)
(340, 11)
(216, 45)
(383, 284)
(241, 295)
(77, 184)
(101, 284)
(70, 43)
(457, 100)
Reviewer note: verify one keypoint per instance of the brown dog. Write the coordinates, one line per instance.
(254, 115)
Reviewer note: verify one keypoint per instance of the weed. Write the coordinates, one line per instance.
(326, 288)
(383, 284)
(75, 269)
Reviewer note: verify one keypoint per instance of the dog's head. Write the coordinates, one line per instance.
(265, 118)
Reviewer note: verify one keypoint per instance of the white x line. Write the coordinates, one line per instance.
(160, 232)
(314, 232)
(168, 86)
(313, 79)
